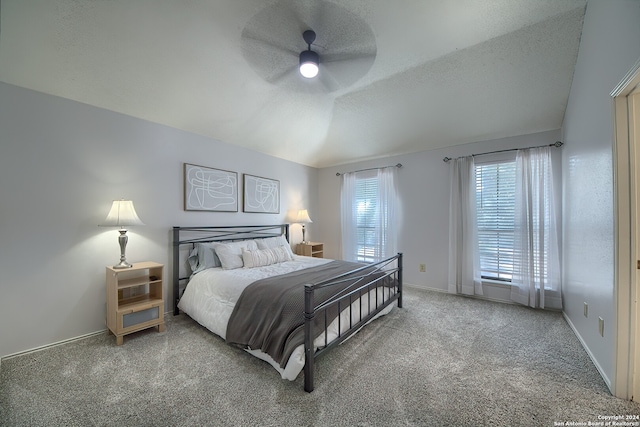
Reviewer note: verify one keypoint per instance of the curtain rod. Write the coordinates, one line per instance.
(556, 144)
(399, 165)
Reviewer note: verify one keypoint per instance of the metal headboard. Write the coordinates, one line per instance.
(189, 236)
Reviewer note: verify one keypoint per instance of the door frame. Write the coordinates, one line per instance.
(626, 215)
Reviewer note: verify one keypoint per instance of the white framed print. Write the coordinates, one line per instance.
(261, 195)
(209, 189)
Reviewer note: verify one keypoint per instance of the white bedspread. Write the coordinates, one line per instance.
(211, 295)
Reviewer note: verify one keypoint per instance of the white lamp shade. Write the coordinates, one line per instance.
(122, 214)
(303, 217)
(309, 70)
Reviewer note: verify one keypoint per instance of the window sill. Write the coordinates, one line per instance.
(496, 283)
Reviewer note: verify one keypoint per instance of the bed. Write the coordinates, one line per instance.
(244, 284)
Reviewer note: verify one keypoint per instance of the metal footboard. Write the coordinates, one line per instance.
(385, 275)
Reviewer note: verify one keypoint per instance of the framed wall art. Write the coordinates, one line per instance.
(209, 189)
(261, 195)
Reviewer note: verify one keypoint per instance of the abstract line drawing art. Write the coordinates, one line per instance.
(208, 189)
(261, 195)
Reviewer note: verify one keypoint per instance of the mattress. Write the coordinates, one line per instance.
(211, 295)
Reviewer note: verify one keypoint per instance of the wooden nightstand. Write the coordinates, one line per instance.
(135, 299)
(314, 249)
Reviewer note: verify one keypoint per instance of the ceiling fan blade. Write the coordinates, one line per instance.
(292, 79)
(328, 81)
(345, 70)
(306, 14)
(251, 40)
(348, 56)
(281, 75)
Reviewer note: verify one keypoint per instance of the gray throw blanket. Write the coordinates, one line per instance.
(269, 315)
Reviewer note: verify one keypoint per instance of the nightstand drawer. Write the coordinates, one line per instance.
(141, 316)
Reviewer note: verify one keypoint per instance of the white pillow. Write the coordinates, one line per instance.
(262, 257)
(275, 242)
(230, 254)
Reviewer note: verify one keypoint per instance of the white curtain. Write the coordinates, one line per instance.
(536, 278)
(387, 219)
(464, 256)
(348, 223)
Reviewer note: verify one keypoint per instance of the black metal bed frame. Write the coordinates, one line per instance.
(191, 235)
(386, 271)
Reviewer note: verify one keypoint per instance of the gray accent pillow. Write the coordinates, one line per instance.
(203, 256)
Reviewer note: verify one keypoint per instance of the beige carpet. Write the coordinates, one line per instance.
(442, 360)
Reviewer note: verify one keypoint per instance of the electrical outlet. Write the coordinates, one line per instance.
(586, 310)
(423, 268)
(601, 326)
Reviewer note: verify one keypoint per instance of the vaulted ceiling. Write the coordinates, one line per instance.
(395, 77)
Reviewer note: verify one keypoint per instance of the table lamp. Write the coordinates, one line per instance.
(122, 214)
(303, 218)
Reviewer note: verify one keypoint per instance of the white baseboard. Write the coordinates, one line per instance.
(55, 344)
(444, 291)
(422, 288)
(593, 359)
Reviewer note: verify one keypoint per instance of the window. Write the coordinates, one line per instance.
(368, 209)
(495, 210)
(503, 226)
(366, 204)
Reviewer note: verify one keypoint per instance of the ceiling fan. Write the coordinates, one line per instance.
(309, 60)
(340, 45)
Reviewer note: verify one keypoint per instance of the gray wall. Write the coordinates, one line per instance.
(61, 165)
(609, 47)
(424, 207)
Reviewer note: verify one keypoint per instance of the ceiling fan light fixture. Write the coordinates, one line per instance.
(309, 63)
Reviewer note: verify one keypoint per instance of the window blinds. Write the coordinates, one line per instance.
(366, 214)
(495, 209)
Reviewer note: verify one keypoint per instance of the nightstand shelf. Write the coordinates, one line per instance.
(135, 299)
(135, 281)
(313, 249)
(137, 303)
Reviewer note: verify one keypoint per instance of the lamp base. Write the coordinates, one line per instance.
(123, 264)
(122, 241)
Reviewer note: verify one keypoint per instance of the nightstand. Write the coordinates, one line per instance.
(135, 299)
(313, 249)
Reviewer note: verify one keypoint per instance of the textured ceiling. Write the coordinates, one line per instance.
(397, 77)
